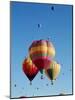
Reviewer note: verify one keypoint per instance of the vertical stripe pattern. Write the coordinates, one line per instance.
(41, 52)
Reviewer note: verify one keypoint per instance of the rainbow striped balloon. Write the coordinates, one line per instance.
(41, 53)
(29, 68)
(53, 71)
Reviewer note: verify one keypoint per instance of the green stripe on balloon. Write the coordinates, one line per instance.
(35, 56)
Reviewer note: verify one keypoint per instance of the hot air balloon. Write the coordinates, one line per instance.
(15, 85)
(39, 25)
(52, 71)
(29, 69)
(41, 53)
(52, 8)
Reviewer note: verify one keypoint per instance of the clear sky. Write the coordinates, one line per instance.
(55, 24)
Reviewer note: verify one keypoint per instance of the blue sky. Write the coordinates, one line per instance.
(56, 25)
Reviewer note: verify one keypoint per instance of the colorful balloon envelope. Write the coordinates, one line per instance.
(29, 69)
(52, 71)
(41, 53)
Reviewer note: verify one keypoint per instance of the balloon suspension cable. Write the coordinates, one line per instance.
(51, 82)
(30, 82)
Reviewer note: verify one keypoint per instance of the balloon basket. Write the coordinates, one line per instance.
(30, 83)
(41, 76)
(51, 82)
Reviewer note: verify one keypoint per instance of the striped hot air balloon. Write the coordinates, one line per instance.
(52, 71)
(41, 53)
(29, 69)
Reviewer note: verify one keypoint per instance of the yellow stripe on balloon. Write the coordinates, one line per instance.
(28, 61)
(38, 48)
(56, 71)
(50, 51)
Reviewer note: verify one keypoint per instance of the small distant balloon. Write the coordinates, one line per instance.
(39, 25)
(52, 8)
(37, 88)
(15, 85)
